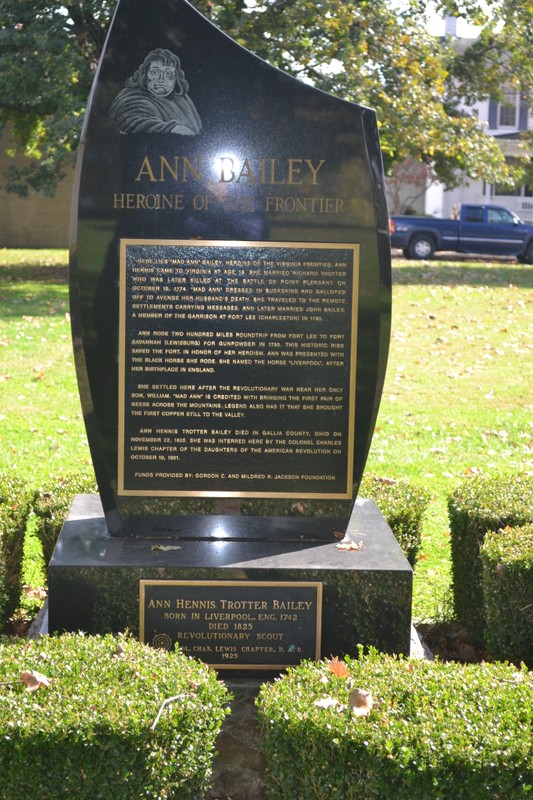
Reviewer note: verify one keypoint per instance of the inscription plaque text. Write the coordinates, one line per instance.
(237, 369)
(234, 625)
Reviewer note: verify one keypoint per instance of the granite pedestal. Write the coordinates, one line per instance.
(94, 578)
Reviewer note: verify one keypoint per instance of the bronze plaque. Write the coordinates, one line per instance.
(227, 387)
(234, 624)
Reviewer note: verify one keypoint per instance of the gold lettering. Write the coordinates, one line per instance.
(150, 202)
(170, 170)
(246, 171)
(164, 163)
(188, 166)
(273, 179)
(146, 171)
(159, 604)
(269, 171)
(223, 175)
(294, 169)
(314, 169)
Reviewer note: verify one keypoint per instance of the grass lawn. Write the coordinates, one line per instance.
(458, 394)
(457, 399)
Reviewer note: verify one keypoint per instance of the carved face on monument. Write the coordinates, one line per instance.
(155, 99)
(160, 78)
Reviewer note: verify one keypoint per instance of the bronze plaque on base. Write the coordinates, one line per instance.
(234, 624)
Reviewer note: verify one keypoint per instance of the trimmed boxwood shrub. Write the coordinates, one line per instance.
(507, 558)
(436, 731)
(403, 504)
(118, 718)
(52, 505)
(479, 505)
(15, 506)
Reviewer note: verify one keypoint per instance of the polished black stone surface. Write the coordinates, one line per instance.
(94, 577)
(238, 155)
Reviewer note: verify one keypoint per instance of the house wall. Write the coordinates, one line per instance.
(398, 200)
(34, 221)
(440, 203)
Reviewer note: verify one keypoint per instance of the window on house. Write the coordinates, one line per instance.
(508, 109)
(500, 190)
(506, 191)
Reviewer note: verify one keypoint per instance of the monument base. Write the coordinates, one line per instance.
(238, 588)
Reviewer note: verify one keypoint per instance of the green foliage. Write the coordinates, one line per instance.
(435, 731)
(15, 507)
(501, 57)
(44, 92)
(477, 506)
(380, 55)
(403, 504)
(97, 728)
(374, 53)
(507, 559)
(52, 504)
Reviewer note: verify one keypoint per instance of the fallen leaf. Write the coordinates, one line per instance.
(338, 668)
(361, 702)
(166, 547)
(34, 680)
(36, 592)
(349, 544)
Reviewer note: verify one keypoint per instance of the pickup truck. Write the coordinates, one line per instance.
(492, 230)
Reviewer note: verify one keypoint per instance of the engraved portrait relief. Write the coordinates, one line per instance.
(156, 100)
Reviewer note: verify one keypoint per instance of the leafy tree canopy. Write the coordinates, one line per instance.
(373, 52)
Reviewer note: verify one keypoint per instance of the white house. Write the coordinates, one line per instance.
(505, 120)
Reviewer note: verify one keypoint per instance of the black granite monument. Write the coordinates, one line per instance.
(230, 301)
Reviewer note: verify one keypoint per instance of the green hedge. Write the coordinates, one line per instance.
(404, 505)
(52, 504)
(17, 501)
(479, 505)
(15, 506)
(507, 558)
(436, 731)
(102, 728)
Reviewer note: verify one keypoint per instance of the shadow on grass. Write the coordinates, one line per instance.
(435, 273)
(40, 273)
(32, 299)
